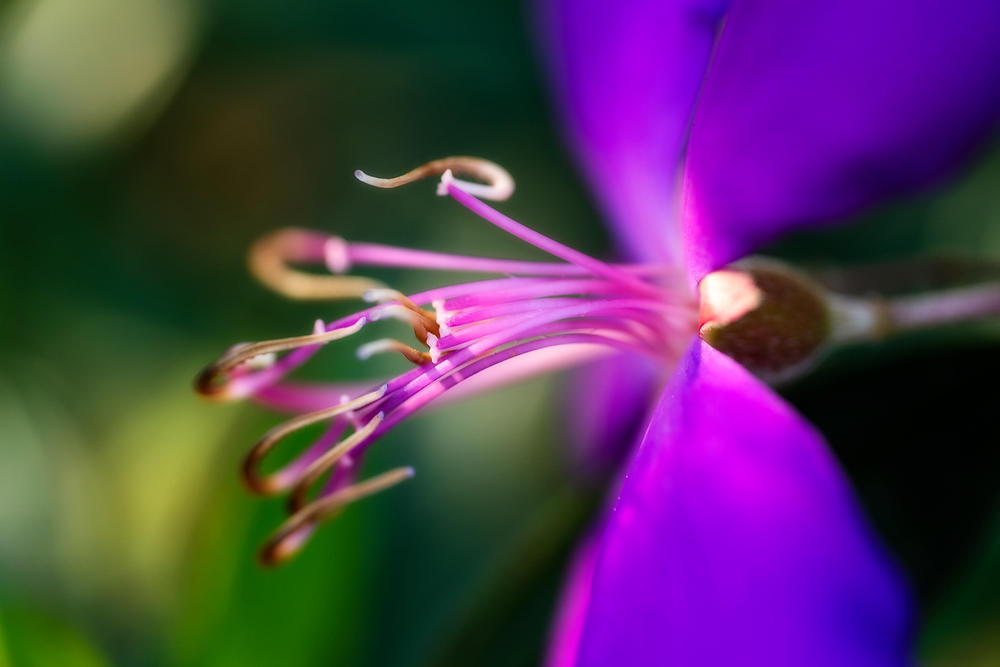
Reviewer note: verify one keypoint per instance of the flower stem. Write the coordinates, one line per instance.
(962, 304)
(857, 319)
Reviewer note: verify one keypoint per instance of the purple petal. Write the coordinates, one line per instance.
(812, 111)
(609, 401)
(735, 540)
(627, 75)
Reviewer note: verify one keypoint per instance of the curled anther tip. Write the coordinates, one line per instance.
(272, 261)
(211, 385)
(214, 382)
(497, 184)
(284, 545)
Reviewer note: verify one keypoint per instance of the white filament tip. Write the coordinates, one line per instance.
(447, 178)
(433, 350)
(368, 350)
(335, 255)
(381, 295)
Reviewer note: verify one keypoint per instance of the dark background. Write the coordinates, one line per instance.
(144, 146)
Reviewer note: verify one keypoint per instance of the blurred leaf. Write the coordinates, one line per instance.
(30, 638)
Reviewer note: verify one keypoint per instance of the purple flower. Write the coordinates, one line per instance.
(733, 537)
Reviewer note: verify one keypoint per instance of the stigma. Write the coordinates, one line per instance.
(522, 318)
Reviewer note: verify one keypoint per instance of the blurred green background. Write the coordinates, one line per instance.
(145, 145)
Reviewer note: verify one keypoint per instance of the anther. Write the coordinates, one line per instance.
(380, 346)
(293, 534)
(213, 382)
(400, 306)
(277, 482)
(498, 183)
(330, 458)
(270, 257)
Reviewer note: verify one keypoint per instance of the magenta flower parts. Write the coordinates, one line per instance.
(705, 129)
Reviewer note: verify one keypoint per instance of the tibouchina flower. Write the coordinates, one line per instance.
(733, 537)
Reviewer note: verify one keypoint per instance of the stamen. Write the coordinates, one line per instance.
(277, 482)
(293, 534)
(269, 261)
(214, 383)
(540, 241)
(482, 332)
(499, 185)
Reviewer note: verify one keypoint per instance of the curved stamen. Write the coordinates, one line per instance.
(281, 480)
(213, 382)
(269, 261)
(542, 242)
(327, 460)
(295, 532)
(499, 184)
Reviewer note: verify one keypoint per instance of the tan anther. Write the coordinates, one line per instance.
(498, 184)
(212, 382)
(276, 482)
(293, 534)
(392, 345)
(270, 261)
(425, 321)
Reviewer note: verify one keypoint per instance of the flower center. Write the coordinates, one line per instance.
(770, 318)
(539, 316)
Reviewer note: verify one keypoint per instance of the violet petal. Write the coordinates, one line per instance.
(626, 76)
(812, 111)
(736, 540)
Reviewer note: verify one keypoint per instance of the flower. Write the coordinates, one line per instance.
(733, 537)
